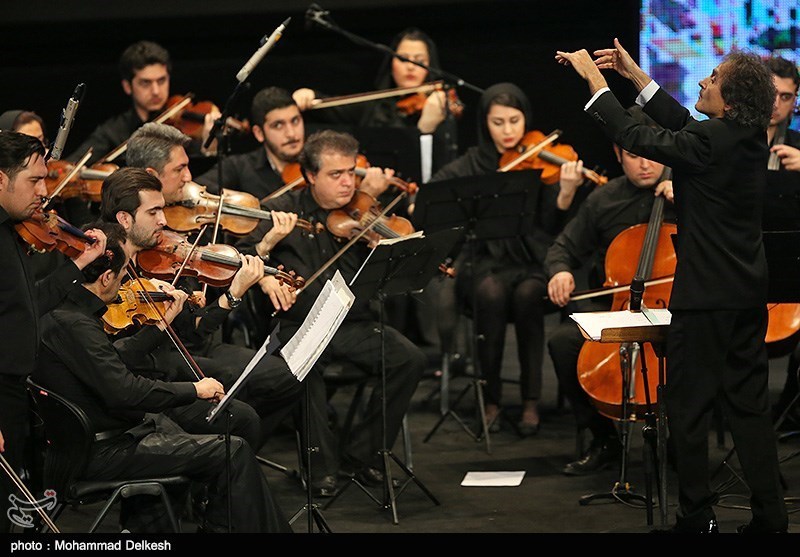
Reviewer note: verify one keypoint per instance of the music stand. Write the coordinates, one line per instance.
(398, 267)
(489, 207)
(270, 345)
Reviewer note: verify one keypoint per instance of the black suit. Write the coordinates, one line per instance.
(718, 302)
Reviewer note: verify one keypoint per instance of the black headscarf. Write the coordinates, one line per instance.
(487, 155)
(8, 119)
(384, 79)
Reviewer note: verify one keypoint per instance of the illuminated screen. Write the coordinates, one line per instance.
(683, 40)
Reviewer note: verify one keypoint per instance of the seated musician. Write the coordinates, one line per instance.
(781, 206)
(509, 275)
(132, 197)
(622, 202)
(78, 361)
(145, 69)
(278, 125)
(328, 161)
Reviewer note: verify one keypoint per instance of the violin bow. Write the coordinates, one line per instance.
(163, 117)
(198, 373)
(614, 289)
(531, 151)
(216, 230)
(353, 240)
(283, 189)
(9, 470)
(66, 179)
(375, 95)
(188, 255)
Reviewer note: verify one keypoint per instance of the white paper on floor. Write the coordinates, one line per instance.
(492, 479)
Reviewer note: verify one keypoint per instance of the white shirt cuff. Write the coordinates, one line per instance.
(647, 93)
(594, 97)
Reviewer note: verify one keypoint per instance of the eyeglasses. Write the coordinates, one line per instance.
(785, 97)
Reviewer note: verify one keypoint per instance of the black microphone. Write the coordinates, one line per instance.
(637, 291)
(259, 54)
(315, 14)
(67, 118)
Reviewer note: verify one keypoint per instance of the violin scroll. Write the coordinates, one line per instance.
(289, 279)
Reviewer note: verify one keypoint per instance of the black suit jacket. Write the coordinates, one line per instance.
(719, 174)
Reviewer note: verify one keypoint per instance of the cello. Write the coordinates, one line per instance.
(600, 365)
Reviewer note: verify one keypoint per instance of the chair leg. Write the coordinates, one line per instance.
(408, 457)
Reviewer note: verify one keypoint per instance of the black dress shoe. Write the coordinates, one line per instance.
(709, 527)
(324, 486)
(601, 455)
(751, 528)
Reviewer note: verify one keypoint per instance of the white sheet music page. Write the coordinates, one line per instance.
(319, 326)
(594, 322)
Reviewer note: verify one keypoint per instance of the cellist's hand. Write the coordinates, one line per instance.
(280, 294)
(665, 189)
(303, 98)
(560, 287)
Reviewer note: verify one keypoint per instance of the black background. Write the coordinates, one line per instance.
(48, 48)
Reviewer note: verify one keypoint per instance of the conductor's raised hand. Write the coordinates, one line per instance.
(584, 66)
(619, 60)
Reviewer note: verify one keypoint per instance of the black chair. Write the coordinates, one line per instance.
(70, 435)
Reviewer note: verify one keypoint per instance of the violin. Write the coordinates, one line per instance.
(191, 119)
(138, 302)
(293, 178)
(46, 231)
(362, 211)
(241, 211)
(213, 264)
(531, 154)
(86, 184)
(414, 103)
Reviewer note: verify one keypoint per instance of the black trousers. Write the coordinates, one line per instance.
(359, 343)
(713, 354)
(161, 447)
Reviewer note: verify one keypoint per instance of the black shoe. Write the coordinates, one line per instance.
(527, 430)
(751, 528)
(324, 486)
(363, 473)
(709, 527)
(601, 455)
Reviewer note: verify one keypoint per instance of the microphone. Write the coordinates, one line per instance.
(315, 14)
(637, 291)
(259, 54)
(67, 118)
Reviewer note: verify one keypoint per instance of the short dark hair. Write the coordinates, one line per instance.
(784, 68)
(152, 144)
(748, 88)
(268, 100)
(121, 189)
(325, 141)
(142, 54)
(16, 149)
(114, 258)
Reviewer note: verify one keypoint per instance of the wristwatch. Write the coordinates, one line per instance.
(232, 301)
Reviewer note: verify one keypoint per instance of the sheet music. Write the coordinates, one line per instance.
(319, 326)
(385, 242)
(594, 322)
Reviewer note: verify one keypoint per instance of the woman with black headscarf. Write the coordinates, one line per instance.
(509, 277)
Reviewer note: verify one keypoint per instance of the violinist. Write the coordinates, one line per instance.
(623, 202)
(22, 300)
(132, 197)
(509, 275)
(716, 347)
(435, 120)
(278, 126)
(781, 205)
(145, 69)
(328, 161)
(79, 362)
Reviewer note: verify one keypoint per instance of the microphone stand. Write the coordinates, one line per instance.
(317, 14)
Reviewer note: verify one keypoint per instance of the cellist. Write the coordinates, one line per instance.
(622, 202)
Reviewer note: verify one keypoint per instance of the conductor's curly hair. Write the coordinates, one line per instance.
(748, 89)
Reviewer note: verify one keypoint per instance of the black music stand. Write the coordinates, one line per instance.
(489, 207)
(270, 345)
(398, 267)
